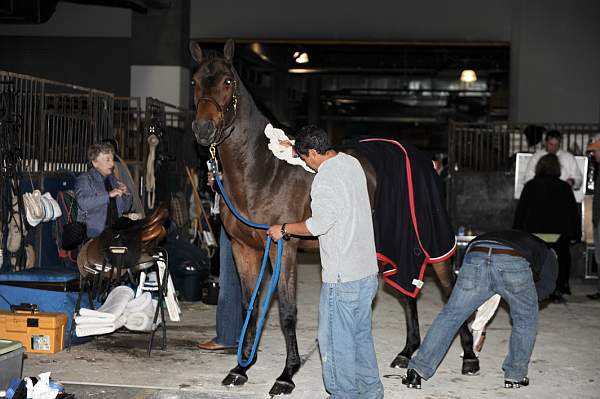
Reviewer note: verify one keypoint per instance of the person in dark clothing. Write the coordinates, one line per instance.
(514, 264)
(547, 205)
(594, 147)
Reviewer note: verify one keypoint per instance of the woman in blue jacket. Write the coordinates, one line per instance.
(101, 198)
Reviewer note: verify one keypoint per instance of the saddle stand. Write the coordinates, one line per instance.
(99, 284)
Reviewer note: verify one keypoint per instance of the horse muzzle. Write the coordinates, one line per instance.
(205, 131)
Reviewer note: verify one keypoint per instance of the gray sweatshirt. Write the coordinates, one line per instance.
(341, 218)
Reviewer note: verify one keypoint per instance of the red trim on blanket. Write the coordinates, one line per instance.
(411, 200)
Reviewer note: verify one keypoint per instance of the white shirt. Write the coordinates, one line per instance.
(568, 167)
(341, 218)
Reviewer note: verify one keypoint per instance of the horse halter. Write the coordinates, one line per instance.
(232, 105)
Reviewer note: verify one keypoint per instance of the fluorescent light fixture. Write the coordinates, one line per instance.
(304, 70)
(468, 76)
(301, 58)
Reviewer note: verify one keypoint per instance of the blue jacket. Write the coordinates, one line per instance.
(92, 201)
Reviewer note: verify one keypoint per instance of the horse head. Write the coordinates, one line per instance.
(215, 94)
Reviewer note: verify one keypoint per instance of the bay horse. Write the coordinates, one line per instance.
(267, 190)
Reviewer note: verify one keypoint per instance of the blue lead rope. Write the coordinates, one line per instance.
(272, 283)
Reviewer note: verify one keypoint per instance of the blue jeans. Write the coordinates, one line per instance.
(481, 276)
(229, 303)
(346, 342)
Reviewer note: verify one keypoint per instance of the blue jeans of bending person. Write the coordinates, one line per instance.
(229, 303)
(481, 276)
(345, 339)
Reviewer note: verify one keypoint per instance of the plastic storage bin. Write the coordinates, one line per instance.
(11, 361)
(38, 332)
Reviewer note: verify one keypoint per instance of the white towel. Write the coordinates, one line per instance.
(114, 305)
(87, 320)
(142, 314)
(139, 304)
(284, 153)
(139, 322)
(84, 330)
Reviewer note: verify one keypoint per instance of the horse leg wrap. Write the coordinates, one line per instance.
(470, 366)
(282, 388)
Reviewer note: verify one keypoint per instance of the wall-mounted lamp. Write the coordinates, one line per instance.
(301, 57)
(468, 76)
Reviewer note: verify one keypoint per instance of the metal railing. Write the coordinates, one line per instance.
(128, 128)
(57, 121)
(492, 146)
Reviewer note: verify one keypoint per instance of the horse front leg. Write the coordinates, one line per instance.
(446, 277)
(248, 263)
(284, 384)
(413, 336)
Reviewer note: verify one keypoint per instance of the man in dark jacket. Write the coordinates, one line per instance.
(505, 263)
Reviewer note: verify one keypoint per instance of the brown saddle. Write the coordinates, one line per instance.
(127, 245)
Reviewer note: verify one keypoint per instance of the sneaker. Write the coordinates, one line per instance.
(412, 379)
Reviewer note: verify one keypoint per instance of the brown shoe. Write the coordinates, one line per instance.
(213, 346)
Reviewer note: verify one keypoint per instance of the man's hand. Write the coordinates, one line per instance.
(275, 232)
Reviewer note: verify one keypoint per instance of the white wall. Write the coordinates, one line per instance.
(74, 20)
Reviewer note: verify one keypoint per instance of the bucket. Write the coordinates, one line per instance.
(191, 285)
(212, 293)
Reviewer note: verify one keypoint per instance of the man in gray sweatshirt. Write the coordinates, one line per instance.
(341, 219)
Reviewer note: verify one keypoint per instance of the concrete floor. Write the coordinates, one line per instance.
(564, 363)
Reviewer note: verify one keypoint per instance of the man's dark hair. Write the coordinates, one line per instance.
(312, 138)
(553, 134)
(548, 165)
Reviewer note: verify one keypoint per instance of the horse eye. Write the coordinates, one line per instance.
(193, 82)
(228, 82)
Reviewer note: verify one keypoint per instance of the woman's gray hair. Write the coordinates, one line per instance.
(96, 149)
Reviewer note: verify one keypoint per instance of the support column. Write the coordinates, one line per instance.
(159, 54)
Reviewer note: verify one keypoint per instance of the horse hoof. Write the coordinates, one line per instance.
(400, 362)
(282, 388)
(470, 367)
(234, 379)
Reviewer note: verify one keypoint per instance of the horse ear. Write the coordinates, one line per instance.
(228, 50)
(196, 52)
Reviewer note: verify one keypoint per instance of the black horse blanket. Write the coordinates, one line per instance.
(410, 221)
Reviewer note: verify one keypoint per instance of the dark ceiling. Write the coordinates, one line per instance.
(40, 11)
(377, 85)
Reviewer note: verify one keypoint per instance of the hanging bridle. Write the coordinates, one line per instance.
(232, 106)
